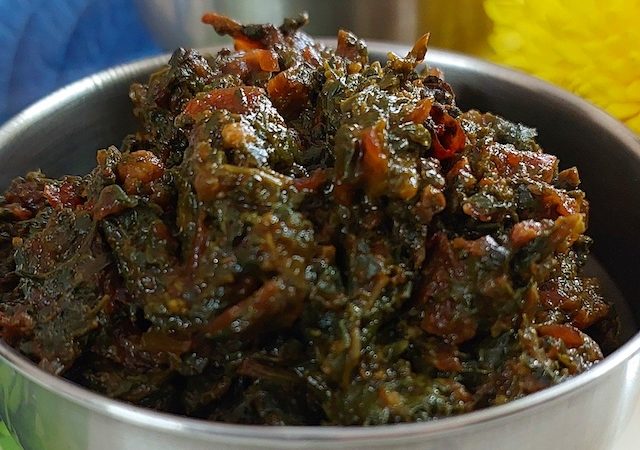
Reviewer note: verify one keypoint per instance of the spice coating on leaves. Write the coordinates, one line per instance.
(299, 235)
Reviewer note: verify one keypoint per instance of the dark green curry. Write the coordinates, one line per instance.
(299, 235)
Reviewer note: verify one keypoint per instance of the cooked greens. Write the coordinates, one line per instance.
(299, 235)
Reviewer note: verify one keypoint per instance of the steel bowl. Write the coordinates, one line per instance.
(60, 135)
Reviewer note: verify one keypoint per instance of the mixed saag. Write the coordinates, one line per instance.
(299, 235)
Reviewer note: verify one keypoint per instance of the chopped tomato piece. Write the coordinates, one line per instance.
(244, 44)
(265, 60)
(421, 112)
(66, 195)
(287, 92)
(311, 183)
(350, 47)
(138, 168)
(238, 100)
(524, 232)
(19, 212)
(374, 160)
(343, 193)
(571, 336)
(419, 49)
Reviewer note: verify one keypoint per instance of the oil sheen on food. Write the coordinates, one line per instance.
(299, 235)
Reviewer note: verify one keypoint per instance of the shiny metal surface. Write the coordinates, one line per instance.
(60, 135)
(176, 23)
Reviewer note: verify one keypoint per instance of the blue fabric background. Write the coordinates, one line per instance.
(45, 44)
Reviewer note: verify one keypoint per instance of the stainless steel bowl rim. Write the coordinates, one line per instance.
(188, 426)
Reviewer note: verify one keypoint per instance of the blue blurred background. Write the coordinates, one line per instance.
(45, 44)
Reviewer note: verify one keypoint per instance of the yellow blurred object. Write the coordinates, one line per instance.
(460, 25)
(589, 47)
